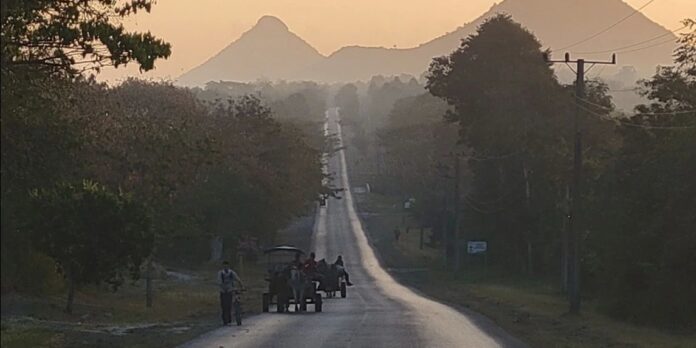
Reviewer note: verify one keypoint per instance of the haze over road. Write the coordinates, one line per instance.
(379, 312)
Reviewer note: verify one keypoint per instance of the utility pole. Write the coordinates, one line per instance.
(574, 248)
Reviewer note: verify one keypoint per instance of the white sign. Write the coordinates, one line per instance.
(476, 246)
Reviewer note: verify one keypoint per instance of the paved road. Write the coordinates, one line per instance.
(379, 312)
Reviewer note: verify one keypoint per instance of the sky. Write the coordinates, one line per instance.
(199, 29)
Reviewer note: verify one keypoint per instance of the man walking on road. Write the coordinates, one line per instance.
(228, 279)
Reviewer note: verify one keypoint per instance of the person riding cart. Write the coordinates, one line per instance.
(342, 269)
(310, 268)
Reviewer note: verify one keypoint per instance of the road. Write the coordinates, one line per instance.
(378, 312)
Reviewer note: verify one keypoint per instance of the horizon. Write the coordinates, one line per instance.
(406, 28)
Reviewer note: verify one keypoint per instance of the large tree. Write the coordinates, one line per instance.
(93, 234)
(506, 101)
(74, 35)
(646, 241)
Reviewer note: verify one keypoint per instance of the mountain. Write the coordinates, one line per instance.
(270, 50)
(562, 23)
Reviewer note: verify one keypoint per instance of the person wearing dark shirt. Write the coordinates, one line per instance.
(310, 265)
(342, 269)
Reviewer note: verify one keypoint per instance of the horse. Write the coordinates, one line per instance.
(297, 282)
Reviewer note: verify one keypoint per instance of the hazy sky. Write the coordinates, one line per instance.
(199, 29)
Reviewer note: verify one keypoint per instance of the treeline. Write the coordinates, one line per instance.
(514, 143)
(103, 182)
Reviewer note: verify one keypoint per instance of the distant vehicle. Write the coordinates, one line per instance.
(288, 285)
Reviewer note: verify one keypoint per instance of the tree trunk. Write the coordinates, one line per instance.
(564, 256)
(530, 268)
(564, 247)
(216, 248)
(71, 293)
(148, 283)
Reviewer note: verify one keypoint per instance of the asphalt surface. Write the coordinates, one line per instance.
(378, 312)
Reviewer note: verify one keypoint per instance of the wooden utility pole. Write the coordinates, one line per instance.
(574, 247)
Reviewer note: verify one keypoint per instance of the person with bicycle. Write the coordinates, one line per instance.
(229, 282)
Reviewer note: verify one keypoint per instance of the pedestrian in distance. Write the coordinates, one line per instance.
(397, 234)
(228, 281)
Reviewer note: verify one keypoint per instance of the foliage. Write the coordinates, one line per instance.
(347, 99)
(92, 234)
(646, 240)
(260, 178)
(507, 115)
(74, 35)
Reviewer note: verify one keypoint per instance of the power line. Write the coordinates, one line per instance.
(632, 124)
(624, 90)
(635, 44)
(646, 47)
(608, 28)
(595, 104)
(679, 112)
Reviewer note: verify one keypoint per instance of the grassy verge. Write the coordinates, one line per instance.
(183, 309)
(186, 304)
(531, 309)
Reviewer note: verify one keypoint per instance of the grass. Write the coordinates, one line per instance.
(182, 310)
(101, 318)
(530, 309)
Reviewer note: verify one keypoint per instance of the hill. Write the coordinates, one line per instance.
(270, 50)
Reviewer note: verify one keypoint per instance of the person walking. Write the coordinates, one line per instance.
(397, 234)
(228, 280)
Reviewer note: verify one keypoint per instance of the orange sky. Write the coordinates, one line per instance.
(199, 29)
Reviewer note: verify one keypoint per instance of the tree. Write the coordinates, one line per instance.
(417, 141)
(347, 100)
(507, 102)
(75, 35)
(92, 234)
(45, 45)
(646, 241)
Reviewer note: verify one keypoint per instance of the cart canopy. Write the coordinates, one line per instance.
(284, 248)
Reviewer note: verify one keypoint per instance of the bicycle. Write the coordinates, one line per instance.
(237, 305)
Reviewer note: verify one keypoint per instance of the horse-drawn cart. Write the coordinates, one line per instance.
(287, 284)
(332, 279)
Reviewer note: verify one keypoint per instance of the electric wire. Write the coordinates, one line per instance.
(634, 44)
(679, 112)
(609, 27)
(632, 124)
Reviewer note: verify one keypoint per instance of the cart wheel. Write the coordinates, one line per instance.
(280, 307)
(343, 290)
(265, 302)
(317, 304)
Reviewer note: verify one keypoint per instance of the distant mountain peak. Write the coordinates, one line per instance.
(271, 23)
(271, 50)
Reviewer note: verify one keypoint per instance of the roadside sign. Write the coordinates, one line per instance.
(476, 246)
(409, 203)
